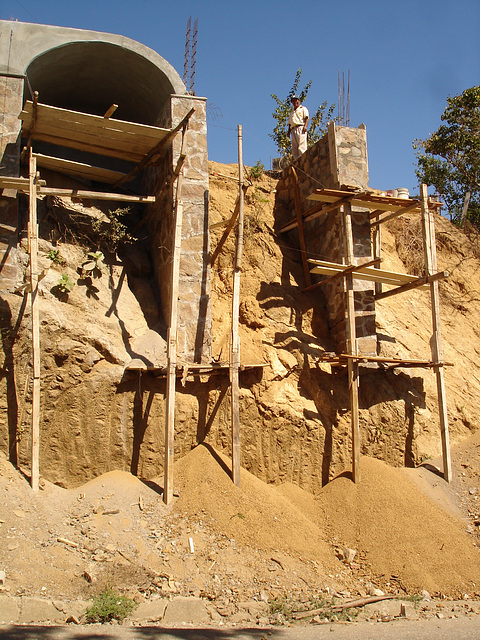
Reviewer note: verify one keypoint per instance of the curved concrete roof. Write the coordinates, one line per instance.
(88, 70)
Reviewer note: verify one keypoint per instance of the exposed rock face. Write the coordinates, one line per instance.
(96, 416)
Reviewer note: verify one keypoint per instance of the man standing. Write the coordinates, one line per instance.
(297, 127)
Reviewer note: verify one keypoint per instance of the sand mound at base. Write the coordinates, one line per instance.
(400, 531)
(255, 514)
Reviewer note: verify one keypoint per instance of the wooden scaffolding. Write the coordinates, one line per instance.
(140, 144)
(143, 145)
(382, 209)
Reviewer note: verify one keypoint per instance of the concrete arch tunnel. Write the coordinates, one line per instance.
(91, 76)
(88, 70)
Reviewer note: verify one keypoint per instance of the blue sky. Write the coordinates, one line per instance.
(404, 57)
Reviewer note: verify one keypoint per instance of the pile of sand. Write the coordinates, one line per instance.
(401, 536)
(255, 514)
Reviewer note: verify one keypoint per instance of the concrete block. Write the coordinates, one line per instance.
(9, 610)
(182, 610)
(36, 610)
(150, 611)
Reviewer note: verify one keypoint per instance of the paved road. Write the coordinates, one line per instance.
(454, 629)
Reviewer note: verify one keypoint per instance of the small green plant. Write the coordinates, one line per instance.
(109, 605)
(257, 170)
(281, 605)
(416, 598)
(65, 285)
(115, 232)
(55, 257)
(93, 264)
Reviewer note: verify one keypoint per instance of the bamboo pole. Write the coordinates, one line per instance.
(377, 248)
(428, 230)
(172, 338)
(352, 343)
(33, 251)
(235, 339)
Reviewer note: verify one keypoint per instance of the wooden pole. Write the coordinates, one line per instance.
(428, 230)
(33, 251)
(235, 339)
(298, 211)
(352, 343)
(172, 338)
(377, 248)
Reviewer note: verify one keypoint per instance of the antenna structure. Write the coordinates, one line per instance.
(190, 56)
(343, 107)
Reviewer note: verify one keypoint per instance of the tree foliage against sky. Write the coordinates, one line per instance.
(318, 122)
(449, 159)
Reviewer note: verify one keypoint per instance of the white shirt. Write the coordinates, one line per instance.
(297, 116)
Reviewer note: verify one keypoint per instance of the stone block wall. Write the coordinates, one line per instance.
(339, 159)
(194, 312)
(11, 90)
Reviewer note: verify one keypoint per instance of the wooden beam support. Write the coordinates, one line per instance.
(230, 224)
(395, 214)
(110, 111)
(352, 344)
(354, 268)
(298, 210)
(419, 282)
(316, 211)
(154, 154)
(93, 195)
(235, 338)
(377, 252)
(33, 251)
(430, 250)
(172, 335)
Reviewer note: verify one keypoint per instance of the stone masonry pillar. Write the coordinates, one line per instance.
(11, 90)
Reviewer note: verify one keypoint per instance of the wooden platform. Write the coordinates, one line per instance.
(95, 134)
(78, 169)
(371, 274)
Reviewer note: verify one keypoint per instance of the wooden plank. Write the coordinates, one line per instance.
(172, 358)
(226, 233)
(315, 212)
(172, 337)
(154, 154)
(93, 144)
(68, 119)
(419, 282)
(352, 344)
(377, 252)
(428, 230)
(82, 169)
(94, 195)
(298, 211)
(343, 273)
(369, 274)
(105, 136)
(113, 138)
(110, 111)
(20, 184)
(395, 214)
(33, 251)
(235, 338)
(91, 148)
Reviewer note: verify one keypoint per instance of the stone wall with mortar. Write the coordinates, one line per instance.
(339, 159)
(194, 313)
(11, 90)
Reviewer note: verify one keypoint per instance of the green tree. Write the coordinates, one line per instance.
(449, 159)
(318, 122)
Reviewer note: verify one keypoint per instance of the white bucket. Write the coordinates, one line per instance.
(403, 193)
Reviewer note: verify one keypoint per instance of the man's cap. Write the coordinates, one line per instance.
(294, 98)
